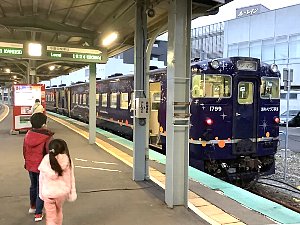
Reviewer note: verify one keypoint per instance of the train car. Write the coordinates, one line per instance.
(56, 100)
(234, 114)
(234, 117)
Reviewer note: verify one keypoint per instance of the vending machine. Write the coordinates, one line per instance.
(24, 96)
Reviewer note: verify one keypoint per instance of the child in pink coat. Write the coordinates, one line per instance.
(57, 182)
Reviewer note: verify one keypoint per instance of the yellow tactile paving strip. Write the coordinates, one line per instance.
(200, 206)
(5, 113)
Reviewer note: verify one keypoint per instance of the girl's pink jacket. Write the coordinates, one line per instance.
(53, 186)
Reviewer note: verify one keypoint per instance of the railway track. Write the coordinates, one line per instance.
(279, 192)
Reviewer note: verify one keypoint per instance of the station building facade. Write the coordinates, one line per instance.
(270, 35)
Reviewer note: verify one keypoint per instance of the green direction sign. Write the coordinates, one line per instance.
(75, 54)
(11, 49)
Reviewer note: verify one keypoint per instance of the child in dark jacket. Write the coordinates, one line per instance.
(57, 182)
(35, 147)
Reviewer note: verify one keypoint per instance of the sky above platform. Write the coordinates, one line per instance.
(228, 11)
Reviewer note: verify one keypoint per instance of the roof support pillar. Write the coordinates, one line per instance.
(92, 104)
(177, 119)
(28, 73)
(140, 132)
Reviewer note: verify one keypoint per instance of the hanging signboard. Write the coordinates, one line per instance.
(51, 52)
(24, 96)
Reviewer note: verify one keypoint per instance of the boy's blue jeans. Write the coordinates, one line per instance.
(34, 193)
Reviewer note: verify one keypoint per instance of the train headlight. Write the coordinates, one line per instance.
(209, 121)
(215, 64)
(274, 68)
(276, 120)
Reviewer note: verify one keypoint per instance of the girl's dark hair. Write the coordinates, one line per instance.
(57, 146)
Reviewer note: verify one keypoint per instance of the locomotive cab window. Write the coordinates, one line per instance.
(155, 100)
(113, 100)
(270, 88)
(211, 86)
(245, 93)
(104, 99)
(124, 101)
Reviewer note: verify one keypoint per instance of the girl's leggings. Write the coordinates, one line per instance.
(53, 207)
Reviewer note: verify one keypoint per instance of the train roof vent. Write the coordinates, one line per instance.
(115, 75)
(54, 86)
(98, 78)
(79, 82)
(153, 68)
(47, 86)
(62, 85)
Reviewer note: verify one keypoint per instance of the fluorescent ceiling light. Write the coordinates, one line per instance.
(34, 49)
(110, 39)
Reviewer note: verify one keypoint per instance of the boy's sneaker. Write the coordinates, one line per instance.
(38, 217)
(31, 210)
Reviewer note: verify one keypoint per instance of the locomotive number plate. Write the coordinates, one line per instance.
(246, 65)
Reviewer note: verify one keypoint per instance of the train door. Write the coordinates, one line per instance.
(56, 100)
(68, 101)
(245, 116)
(155, 91)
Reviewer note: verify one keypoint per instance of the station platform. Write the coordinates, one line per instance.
(106, 192)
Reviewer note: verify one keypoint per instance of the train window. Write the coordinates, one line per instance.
(113, 100)
(270, 88)
(84, 99)
(73, 98)
(104, 99)
(80, 99)
(245, 90)
(211, 86)
(97, 99)
(76, 99)
(124, 101)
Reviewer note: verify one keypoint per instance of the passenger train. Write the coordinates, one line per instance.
(234, 113)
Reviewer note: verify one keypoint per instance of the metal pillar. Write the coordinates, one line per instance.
(179, 29)
(140, 132)
(28, 72)
(92, 104)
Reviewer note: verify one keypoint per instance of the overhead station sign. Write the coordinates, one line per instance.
(11, 49)
(50, 53)
(75, 54)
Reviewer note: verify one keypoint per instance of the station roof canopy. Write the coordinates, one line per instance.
(78, 24)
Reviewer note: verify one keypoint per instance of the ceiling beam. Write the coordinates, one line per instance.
(20, 8)
(50, 7)
(2, 11)
(42, 25)
(69, 12)
(120, 10)
(92, 10)
(35, 7)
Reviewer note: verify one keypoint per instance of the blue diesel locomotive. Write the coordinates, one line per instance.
(234, 113)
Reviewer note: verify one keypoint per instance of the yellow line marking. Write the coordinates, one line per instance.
(97, 168)
(5, 113)
(155, 175)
